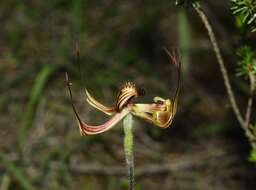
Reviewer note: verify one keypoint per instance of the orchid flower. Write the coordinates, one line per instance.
(161, 112)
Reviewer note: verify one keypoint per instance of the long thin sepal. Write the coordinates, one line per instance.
(92, 130)
(86, 129)
(176, 61)
(107, 110)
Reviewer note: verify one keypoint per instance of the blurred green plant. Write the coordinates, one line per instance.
(35, 96)
(16, 172)
(252, 157)
(245, 10)
(185, 39)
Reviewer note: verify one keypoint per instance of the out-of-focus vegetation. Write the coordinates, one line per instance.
(245, 11)
(40, 146)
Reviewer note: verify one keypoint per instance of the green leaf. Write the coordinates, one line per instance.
(252, 156)
(246, 10)
(34, 98)
(246, 57)
(16, 172)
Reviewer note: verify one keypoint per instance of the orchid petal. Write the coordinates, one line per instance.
(158, 99)
(107, 110)
(86, 129)
(158, 114)
(148, 107)
(174, 60)
(148, 111)
(126, 94)
(90, 129)
(163, 119)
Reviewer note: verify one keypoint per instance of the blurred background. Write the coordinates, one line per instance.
(40, 144)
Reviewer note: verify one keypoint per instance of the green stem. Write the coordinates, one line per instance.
(128, 149)
(184, 40)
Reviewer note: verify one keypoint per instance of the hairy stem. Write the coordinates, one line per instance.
(128, 149)
(222, 66)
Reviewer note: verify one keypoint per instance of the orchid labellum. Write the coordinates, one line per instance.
(160, 113)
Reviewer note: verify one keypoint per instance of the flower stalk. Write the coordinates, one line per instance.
(128, 149)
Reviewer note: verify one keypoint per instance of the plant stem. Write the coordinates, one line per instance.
(244, 122)
(184, 40)
(128, 149)
(221, 64)
(250, 99)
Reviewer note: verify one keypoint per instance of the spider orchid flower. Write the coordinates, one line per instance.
(160, 113)
(121, 108)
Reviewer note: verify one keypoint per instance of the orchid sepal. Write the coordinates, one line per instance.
(96, 104)
(86, 129)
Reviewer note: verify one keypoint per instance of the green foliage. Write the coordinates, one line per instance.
(252, 157)
(17, 173)
(245, 10)
(35, 97)
(246, 61)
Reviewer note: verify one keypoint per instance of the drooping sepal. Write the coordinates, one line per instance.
(94, 103)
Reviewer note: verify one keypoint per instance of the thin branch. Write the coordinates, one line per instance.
(220, 28)
(244, 123)
(250, 99)
(222, 66)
